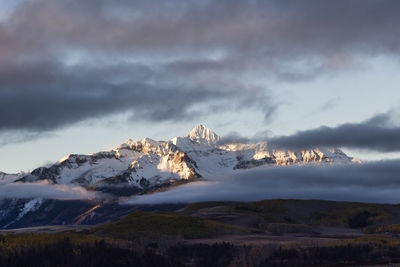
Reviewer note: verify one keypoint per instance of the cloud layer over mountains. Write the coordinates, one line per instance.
(375, 182)
(379, 133)
(65, 61)
(45, 190)
(364, 135)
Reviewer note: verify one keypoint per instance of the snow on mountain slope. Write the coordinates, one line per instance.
(148, 163)
(157, 169)
(201, 144)
(29, 206)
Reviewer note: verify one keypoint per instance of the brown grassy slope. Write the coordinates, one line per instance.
(306, 212)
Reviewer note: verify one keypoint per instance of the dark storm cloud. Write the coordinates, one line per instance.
(52, 96)
(376, 182)
(378, 133)
(64, 61)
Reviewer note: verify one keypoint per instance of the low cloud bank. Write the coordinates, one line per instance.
(45, 190)
(379, 133)
(377, 182)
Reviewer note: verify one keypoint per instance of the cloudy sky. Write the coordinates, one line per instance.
(84, 76)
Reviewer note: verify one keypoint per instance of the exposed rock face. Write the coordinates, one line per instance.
(139, 166)
(17, 213)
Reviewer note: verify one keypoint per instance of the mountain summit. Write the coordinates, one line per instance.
(202, 134)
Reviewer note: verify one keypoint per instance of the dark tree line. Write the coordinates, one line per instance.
(100, 253)
(344, 255)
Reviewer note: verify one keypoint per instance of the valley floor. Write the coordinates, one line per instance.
(264, 233)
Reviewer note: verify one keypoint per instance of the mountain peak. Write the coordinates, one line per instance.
(201, 132)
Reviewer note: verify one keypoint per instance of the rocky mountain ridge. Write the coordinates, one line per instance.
(148, 164)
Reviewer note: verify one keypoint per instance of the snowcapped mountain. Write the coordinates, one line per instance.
(147, 165)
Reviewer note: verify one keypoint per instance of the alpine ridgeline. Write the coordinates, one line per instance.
(148, 165)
